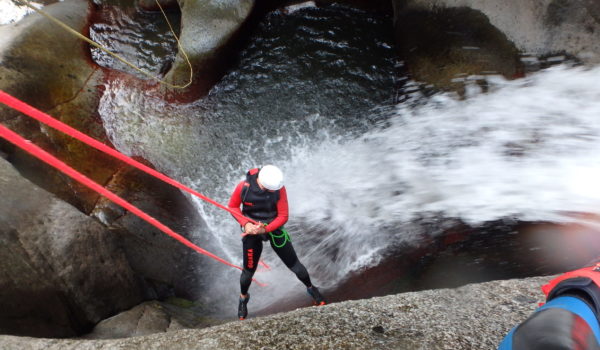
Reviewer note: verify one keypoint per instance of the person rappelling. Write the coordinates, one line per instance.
(263, 198)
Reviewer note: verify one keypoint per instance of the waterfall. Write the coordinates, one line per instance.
(526, 149)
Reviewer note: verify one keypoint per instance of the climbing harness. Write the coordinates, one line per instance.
(56, 163)
(118, 57)
(284, 234)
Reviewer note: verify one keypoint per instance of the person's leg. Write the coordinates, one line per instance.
(252, 249)
(285, 250)
(282, 245)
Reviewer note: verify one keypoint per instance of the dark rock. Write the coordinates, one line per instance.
(165, 265)
(61, 271)
(150, 5)
(378, 329)
(376, 5)
(593, 8)
(557, 12)
(447, 47)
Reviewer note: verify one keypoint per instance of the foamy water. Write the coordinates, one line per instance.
(11, 12)
(526, 150)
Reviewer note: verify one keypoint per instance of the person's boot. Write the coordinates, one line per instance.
(316, 295)
(242, 307)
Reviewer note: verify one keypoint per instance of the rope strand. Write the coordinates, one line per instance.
(49, 159)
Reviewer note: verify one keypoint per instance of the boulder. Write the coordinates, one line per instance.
(153, 317)
(448, 47)
(475, 316)
(50, 69)
(144, 319)
(207, 29)
(61, 271)
(539, 27)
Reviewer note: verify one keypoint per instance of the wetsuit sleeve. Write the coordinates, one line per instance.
(234, 204)
(282, 212)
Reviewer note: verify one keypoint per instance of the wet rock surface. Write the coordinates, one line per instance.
(475, 316)
(537, 26)
(206, 30)
(448, 46)
(462, 254)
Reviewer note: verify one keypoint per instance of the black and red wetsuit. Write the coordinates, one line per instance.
(271, 208)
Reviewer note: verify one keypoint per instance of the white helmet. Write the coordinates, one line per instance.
(271, 177)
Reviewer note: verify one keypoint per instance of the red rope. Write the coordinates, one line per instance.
(56, 163)
(58, 125)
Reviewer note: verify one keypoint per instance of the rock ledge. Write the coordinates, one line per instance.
(475, 316)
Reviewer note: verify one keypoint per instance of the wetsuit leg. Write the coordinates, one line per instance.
(252, 246)
(287, 254)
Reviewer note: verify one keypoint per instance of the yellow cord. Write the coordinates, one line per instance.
(95, 44)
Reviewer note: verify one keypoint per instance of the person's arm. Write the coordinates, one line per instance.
(282, 212)
(234, 204)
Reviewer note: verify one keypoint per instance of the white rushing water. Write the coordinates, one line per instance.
(526, 149)
(11, 12)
